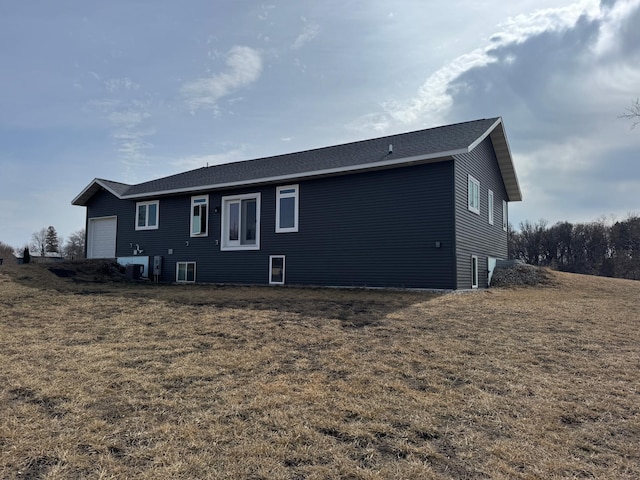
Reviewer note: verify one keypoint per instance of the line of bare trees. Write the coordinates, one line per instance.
(596, 248)
(46, 241)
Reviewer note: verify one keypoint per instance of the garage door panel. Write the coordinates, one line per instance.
(102, 237)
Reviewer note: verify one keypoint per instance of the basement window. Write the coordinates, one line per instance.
(474, 271)
(276, 269)
(186, 272)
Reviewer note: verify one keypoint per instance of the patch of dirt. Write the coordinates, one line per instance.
(89, 271)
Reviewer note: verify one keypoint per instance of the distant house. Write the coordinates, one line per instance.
(424, 209)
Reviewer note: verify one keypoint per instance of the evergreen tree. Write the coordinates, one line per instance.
(51, 240)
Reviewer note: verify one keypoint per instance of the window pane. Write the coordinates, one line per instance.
(287, 212)
(248, 222)
(191, 272)
(142, 217)
(182, 271)
(153, 215)
(234, 220)
(277, 270)
(203, 219)
(196, 220)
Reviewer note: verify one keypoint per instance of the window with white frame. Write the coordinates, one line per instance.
(474, 271)
(287, 209)
(474, 195)
(199, 212)
(490, 206)
(505, 216)
(186, 272)
(276, 269)
(147, 215)
(241, 222)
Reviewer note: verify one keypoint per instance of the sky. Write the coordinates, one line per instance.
(133, 90)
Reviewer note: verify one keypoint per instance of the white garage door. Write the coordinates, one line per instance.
(102, 238)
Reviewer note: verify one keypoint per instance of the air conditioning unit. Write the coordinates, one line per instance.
(133, 271)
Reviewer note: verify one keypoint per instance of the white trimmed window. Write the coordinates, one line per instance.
(490, 207)
(241, 222)
(287, 209)
(474, 271)
(185, 272)
(276, 269)
(199, 212)
(474, 195)
(505, 216)
(147, 215)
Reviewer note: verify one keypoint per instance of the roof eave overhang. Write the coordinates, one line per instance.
(430, 158)
(505, 161)
(90, 190)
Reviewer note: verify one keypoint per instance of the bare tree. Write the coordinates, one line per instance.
(6, 252)
(633, 112)
(74, 247)
(39, 242)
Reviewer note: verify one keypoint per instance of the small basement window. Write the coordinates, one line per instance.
(474, 271)
(186, 272)
(276, 269)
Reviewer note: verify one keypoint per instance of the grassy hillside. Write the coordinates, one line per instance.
(114, 380)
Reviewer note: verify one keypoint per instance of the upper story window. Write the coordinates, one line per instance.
(490, 206)
(287, 209)
(241, 222)
(474, 195)
(147, 215)
(199, 212)
(505, 216)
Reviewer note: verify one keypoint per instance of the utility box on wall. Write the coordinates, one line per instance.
(157, 265)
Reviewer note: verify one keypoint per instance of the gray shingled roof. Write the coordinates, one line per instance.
(430, 144)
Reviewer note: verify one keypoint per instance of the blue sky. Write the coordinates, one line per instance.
(139, 89)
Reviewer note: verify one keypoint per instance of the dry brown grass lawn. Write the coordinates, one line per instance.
(105, 380)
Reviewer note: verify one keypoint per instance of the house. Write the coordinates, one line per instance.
(424, 209)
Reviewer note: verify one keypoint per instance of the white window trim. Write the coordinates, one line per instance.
(471, 195)
(474, 273)
(293, 195)
(505, 216)
(271, 257)
(490, 206)
(224, 224)
(193, 204)
(146, 204)
(178, 270)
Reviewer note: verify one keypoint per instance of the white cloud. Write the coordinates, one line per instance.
(244, 67)
(309, 32)
(127, 119)
(115, 85)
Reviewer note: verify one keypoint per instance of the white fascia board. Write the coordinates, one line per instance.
(96, 181)
(485, 134)
(434, 157)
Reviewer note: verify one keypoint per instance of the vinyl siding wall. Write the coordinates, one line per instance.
(375, 228)
(474, 234)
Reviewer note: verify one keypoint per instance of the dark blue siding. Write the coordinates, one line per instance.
(375, 228)
(474, 234)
